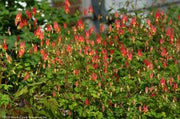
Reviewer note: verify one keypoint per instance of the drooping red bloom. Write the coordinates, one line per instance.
(102, 28)
(169, 31)
(157, 15)
(4, 45)
(140, 53)
(163, 52)
(68, 48)
(162, 82)
(29, 15)
(146, 90)
(90, 9)
(153, 29)
(116, 14)
(148, 22)
(133, 22)
(85, 12)
(110, 28)
(45, 55)
(145, 108)
(120, 32)
(117, 24)
(41, 36)
(86, 102)
(151, 76)
(22, 49)
(53, 44)
(26, 76)
(47, 42)
(124, 19)
(175, 86)
(80, 24)
(123, 50)
(53, 93)
(94, 76)
(49, 28)
(34, 11)
(35, 22)
(81, 38)
(66, 9)
(98, 39)
(56, 27)
(165, 64)
(161, 41)
(179, 17)
(129, 56)
(18, 18)
(35, 48)
(112, 52)
(148, 64)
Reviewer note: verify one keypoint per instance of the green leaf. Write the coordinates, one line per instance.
(20, 92)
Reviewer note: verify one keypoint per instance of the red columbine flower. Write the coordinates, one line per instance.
(66, 9)
(129, 55)
(165, 64)
(45, 55)
(4, 45)
(111, 52)
(90, 9)
(98, 39)
(123, 50)
(26, 76)
(151, 76)
(124, 19)
(34, 11)
(161, 41)
(175, 86)
(153, 29)
(41, 36)
(102, 28)
(56, 27)
(120, 32)
(68, 48)
(18, 18)
(163, 52)
(53, 93)
(35, 48)
(49, 28)
(117, 24)
(81, 38)
(179, 17)
(35, 22)
(140, 53)
(146, 90)
(148, 64)
(162, 82)
(66, 6)
(169, 31)
(22, 49)
(47, 42)
(157, 15)
(145, 108)
(148, 22)
(85, 12)
(29, 15)
(94, 76)
(80, 24)
(116, 14)
(133, 22)
(86, 102)
(110, 28)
